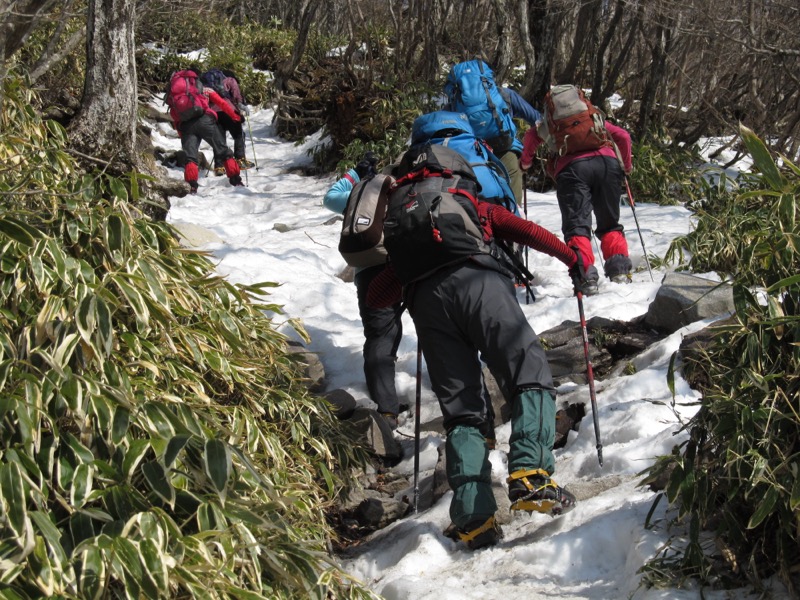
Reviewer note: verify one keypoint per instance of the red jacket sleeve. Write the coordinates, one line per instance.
(223, 105)
(385, 289)
(530, 143)
(507, 226)
(623, 141)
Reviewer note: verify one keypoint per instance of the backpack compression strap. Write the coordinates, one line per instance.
(492, 107)
(426, 173)
(421, 174)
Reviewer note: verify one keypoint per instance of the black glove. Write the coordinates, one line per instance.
(581, 282)
(577, 272)
(366, 168)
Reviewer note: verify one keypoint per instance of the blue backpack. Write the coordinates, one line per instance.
(215, 79)
(453, 130)
(471, 89)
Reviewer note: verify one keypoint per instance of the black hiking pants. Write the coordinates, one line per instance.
(586, 185)
(203, 129)
(383, 331)
(228, 125)
(461, 312)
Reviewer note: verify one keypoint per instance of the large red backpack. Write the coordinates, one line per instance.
(572, 123)
(185, 96)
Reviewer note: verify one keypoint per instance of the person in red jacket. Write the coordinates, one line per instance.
(205, 128)
(466, 311)
(591, 181)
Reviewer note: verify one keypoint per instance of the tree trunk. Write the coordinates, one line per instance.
(503, 54)
(51, 57)
(543, 35)
(528, 51)
(429, 61)
(17, 21)
(658, 69)
(103, 132)
(105, 126)
(586, 23)
(622, 57)
(601, 91)
(307, 9)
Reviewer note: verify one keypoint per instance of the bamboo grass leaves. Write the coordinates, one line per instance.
(738, 476)
(157, 440)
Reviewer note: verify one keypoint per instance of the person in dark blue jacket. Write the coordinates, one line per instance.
(520, 109)
(382, 326)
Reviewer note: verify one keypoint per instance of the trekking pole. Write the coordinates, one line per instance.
(590, 377)
(641, 239)
(252, 143)
(521, 271)
(597, 246)
(529, 293)
(525, 211)
(416, 427)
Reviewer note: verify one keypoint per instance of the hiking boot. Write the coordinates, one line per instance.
(618, 266)
(533, 491)
(622, 278)
(391, 419)
(245, 164)
(586, 287)
(192, 187)
(480, 534)
(585, 282)
(219, 171)
(236, 181)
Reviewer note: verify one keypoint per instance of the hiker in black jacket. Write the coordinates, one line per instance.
(464, 309)
(383, 328)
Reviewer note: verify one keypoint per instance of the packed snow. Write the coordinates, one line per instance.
(276, 229)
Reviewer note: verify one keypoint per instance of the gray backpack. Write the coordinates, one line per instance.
(572, 123)
(361, 240)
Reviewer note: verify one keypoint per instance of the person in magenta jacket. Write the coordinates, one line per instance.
(204, 128)
(591, 181)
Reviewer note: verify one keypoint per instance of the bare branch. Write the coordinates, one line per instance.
(47, 61)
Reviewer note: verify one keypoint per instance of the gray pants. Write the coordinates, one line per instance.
(203, 129)
(467, 310)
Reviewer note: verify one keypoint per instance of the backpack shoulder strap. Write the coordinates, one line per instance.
(492, 107)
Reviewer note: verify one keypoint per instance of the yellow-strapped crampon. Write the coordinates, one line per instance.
(533, 491)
